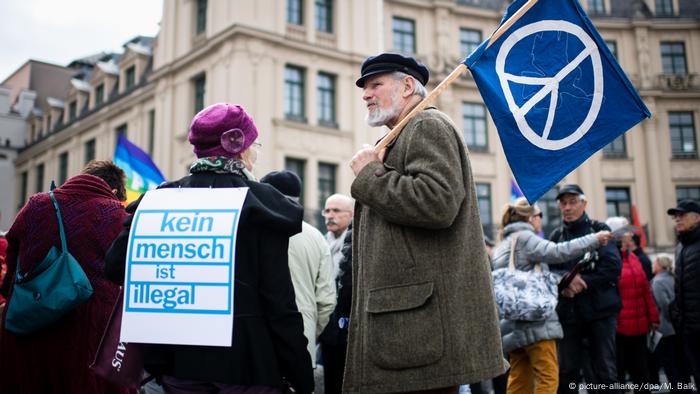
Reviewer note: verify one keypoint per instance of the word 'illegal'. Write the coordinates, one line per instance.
(170, 298)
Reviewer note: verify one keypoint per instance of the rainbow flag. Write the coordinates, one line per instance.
(515, 191)
(142, 174)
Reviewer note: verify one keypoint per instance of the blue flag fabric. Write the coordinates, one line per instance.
(555, 92)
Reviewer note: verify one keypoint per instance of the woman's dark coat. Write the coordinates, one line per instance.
(268, 334)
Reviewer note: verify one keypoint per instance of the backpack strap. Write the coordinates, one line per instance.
(64, 243)
(556, 235)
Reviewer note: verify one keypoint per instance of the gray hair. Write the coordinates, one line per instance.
(665, 261)
(418, 90)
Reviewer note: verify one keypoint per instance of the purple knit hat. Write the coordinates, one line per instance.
(222, 130)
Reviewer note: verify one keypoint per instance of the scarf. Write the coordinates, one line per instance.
(221, 165)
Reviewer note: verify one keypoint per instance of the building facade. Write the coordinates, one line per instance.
(27, 101)
(292, 64)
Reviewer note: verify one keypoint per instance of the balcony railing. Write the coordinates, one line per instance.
(678, 81)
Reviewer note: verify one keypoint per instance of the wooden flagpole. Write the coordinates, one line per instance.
(461, 68)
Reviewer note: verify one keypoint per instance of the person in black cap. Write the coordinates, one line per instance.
(685, 309)
(423, 315)
(588, 307)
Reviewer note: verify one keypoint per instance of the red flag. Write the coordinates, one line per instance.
(640, 230)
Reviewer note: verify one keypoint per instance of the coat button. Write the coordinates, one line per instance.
(379, 173)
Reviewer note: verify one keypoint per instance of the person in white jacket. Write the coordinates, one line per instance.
(310, 265)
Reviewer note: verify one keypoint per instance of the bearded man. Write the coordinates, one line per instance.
(423, 316)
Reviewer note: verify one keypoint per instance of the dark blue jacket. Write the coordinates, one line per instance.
(685, 310)
(602, 298)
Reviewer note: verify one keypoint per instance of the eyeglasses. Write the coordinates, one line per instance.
(257, 145)
(327, 211)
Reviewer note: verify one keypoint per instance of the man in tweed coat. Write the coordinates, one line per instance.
(423, 314)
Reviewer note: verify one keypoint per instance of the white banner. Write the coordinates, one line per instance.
(180, 267)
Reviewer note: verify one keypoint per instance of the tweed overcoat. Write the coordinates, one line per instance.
(423, 311)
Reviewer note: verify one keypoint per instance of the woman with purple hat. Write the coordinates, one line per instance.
(268, 351)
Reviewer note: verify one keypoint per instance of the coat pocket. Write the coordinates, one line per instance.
(405, 326)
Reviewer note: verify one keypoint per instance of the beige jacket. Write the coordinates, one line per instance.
(310, 266)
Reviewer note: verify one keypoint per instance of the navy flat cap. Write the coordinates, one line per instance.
(390, 62)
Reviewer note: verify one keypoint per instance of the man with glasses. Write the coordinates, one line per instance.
(588, 307)
(338, 215)
(685, 309)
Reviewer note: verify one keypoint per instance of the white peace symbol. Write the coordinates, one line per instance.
(550, 84)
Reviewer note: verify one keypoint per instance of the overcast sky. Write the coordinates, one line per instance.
(59, 31)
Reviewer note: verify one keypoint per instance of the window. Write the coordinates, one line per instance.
(23, 180)
(294, 93)
(72, 110)
(100, 94)
(199, 91)
(151, 131)
(612, 46)
(297, 166)
(596, 6)
(326, 99)
(673, 58)
(664, 7)
(469, 40)
(551, 216)
(324, 16)
(120, 130)
(618, 202)
(483, 197)
(295, 12)
(201, 23)
(326, 188)
(404, 33)
(130, 76)
(687, 193)
(682, 130)
(617, 148)
(39, 178)
(62, 167)
(474, 123)
(89, 150)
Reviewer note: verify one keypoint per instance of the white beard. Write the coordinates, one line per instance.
(381, 116)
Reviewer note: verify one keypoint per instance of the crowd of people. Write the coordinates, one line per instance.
(617, 317)
(397, 296)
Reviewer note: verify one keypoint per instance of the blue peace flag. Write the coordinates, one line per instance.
(555, 92)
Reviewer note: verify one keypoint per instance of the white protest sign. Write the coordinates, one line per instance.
(180, 267)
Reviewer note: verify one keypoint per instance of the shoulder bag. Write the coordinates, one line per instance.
(524, 295)
(50, 290)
